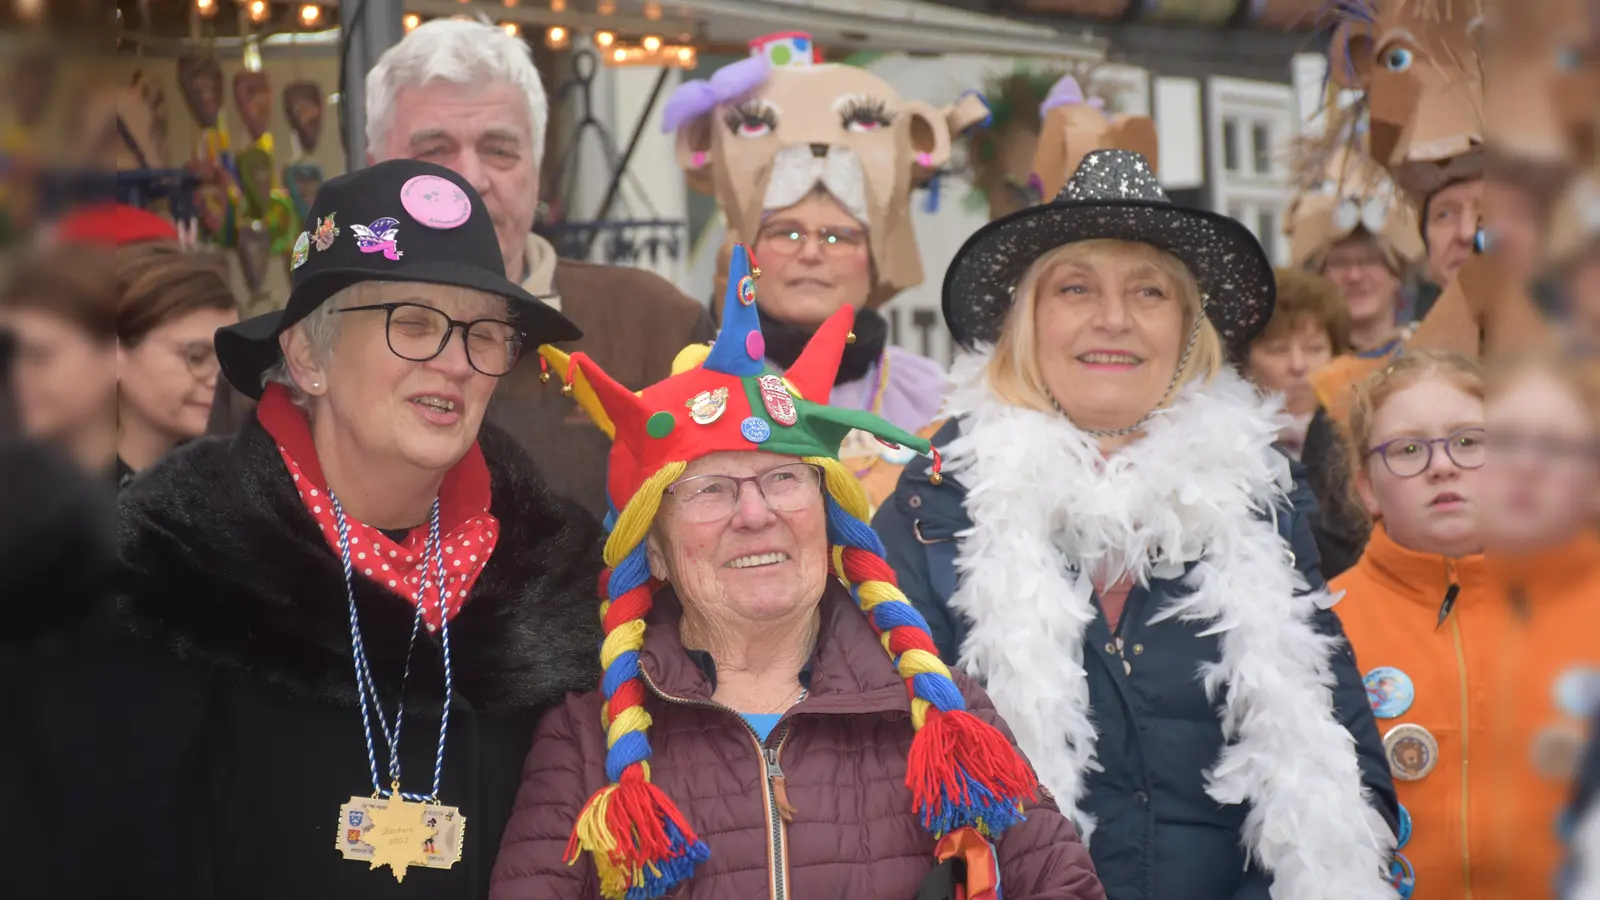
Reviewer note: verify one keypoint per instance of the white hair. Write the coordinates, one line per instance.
(460, 52)
(321, 328)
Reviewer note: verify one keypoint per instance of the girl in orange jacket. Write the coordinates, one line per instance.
(1414, 607)
(1476, 667)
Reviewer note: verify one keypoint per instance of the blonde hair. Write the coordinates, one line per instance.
(1580, 376)
(1013, 370)
(1406, 370)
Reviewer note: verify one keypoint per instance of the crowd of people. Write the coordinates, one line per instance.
(1191, 577)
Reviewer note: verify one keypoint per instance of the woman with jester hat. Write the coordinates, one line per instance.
(813, 164)
(750, 736)
(1121, 554)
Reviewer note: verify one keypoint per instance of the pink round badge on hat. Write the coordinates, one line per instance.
(435, 202)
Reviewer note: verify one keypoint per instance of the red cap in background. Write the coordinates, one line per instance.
(114, 225)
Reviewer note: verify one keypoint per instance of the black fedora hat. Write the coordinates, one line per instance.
(401, 220)
(1115, 196)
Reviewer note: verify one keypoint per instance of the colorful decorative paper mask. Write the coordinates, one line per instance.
(301, 180)
(302, 106)
(200, 77)
(252, 97)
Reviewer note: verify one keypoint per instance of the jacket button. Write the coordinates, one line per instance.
(915, 501)
(1138, 649)
(1111, 648)
(1141, 798)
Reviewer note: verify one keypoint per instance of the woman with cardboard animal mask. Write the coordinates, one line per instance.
(813, 165)
(1113, 554)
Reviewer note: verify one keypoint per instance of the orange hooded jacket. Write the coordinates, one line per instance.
(1497, 679)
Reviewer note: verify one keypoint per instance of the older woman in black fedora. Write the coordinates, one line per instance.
(1121, 554)
(336, 630)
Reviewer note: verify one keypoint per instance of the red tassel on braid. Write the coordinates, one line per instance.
(962, 771)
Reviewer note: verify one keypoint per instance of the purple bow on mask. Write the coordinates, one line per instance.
(1067, 92)
(695, 98)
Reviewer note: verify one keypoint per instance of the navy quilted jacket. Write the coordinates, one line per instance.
(1158, 834)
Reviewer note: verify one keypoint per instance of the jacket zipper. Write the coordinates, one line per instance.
(1450, 595)
(774, 790)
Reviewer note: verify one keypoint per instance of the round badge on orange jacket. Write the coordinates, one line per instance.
(1556, 750)
(1412, 752)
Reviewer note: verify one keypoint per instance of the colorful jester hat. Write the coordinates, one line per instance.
(962, 772)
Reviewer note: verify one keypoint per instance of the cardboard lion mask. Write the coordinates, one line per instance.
(763, 132)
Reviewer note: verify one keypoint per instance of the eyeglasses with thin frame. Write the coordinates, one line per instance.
(419, 333)
(787, 240)
(711, 498)
(200, 357)
(1408, 457)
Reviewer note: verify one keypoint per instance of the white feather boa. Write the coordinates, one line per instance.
(1586, 855)
(1047, 510)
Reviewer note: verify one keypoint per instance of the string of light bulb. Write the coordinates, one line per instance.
(309, 15)
(651, 50)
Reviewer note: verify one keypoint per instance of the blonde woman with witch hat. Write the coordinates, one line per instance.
(751, 736)
(1119, 552)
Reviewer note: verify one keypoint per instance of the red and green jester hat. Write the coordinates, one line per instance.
(966, 779)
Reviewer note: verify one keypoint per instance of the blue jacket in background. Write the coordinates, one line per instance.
(1158, 836)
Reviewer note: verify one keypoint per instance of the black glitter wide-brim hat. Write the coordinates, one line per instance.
(1113, 195)
(397, 221)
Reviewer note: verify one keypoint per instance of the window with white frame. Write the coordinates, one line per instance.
(1249, 126)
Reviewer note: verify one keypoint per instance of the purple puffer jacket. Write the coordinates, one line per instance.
(842, 752)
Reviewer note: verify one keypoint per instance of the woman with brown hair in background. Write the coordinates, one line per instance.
(170, 304)
(1310, 327)
(61, 306)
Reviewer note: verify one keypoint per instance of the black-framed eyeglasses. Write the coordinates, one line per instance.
(712, 498)
(1408, 457)
(420, 333)
(787, 240)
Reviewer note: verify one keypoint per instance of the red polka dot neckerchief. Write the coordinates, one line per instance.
(468, 531)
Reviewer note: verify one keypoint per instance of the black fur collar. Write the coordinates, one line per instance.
(221, 564)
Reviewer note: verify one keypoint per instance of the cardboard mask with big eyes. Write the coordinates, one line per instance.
(1074, 126)
(302, 105)
(1350, 193)
(761, 132)
(200, 77)
(1417, 61)
(252, 97)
